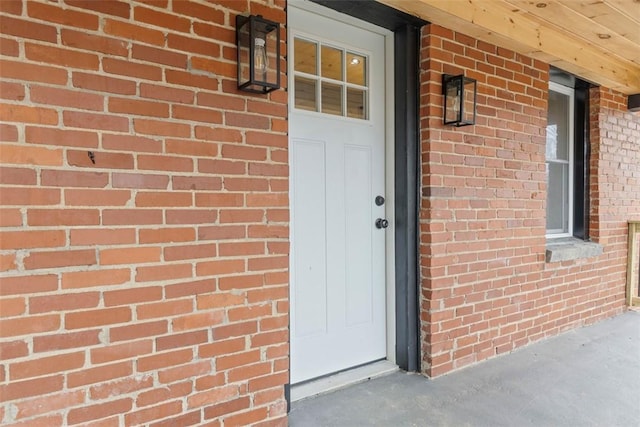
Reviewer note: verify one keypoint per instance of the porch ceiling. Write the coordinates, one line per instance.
(598, 40)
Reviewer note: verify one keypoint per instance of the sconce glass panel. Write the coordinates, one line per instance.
(468, 116)
(452, 103)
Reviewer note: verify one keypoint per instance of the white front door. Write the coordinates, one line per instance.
(337, 158)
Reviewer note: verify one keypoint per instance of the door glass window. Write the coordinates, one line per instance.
(356, 103)
(329, 79)
(332, 98)
(305, 94)
(356, 69)
(331, 63)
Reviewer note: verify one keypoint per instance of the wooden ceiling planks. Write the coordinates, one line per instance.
(630, 8)
(606, 14)
(558, 14)
(596, 40)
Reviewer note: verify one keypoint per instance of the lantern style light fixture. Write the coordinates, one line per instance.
(633, 102)
(459, 100)
(258, 42)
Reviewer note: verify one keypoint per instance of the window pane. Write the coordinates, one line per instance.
(331, 98)
(331, 63)
(356, 69)
(356, 103)
(305, 53)
(557, 197)
(558, 127)
(305, 94)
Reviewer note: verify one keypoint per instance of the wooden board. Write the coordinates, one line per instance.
(633, 259)
(568, 43)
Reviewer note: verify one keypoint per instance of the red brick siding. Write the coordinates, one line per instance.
(615, 175)
(131, 171)
(486, 288)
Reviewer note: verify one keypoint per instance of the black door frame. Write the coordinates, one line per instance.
(406, 29)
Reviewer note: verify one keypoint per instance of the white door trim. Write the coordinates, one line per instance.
(391, 195)
(389, 155)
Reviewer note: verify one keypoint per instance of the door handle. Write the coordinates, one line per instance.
(382, 223)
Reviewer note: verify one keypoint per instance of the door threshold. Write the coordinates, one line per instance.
(342, 379)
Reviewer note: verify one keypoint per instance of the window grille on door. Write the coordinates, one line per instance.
(330, 79)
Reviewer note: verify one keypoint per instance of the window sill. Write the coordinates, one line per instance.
(570, 248)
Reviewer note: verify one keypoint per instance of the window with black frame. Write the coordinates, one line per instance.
(567, 157)
(567, 165)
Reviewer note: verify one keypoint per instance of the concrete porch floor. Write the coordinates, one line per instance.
(586, 377)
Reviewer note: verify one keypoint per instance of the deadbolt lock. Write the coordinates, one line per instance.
(382, 223)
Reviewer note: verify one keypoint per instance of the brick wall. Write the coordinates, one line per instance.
(144, 240)
(486, 288)
(615, 175)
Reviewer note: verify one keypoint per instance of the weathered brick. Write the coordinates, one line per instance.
(28, 30)
(129, 31)
(128, 350)
(33, 72)
(61, 137)
(52, 259)
(42, 405)
(67, 17)
(32, 387)
(98, 317)
(63, 57)
(47, 365)
(101, 83)
(138, 330)
(132, 69)
(52, 342)
(29, 325)
(101, 410)
(99, 374)
(23, 285)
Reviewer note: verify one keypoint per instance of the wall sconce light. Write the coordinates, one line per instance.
(459, 100)
(633, 102)
(258, 42)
